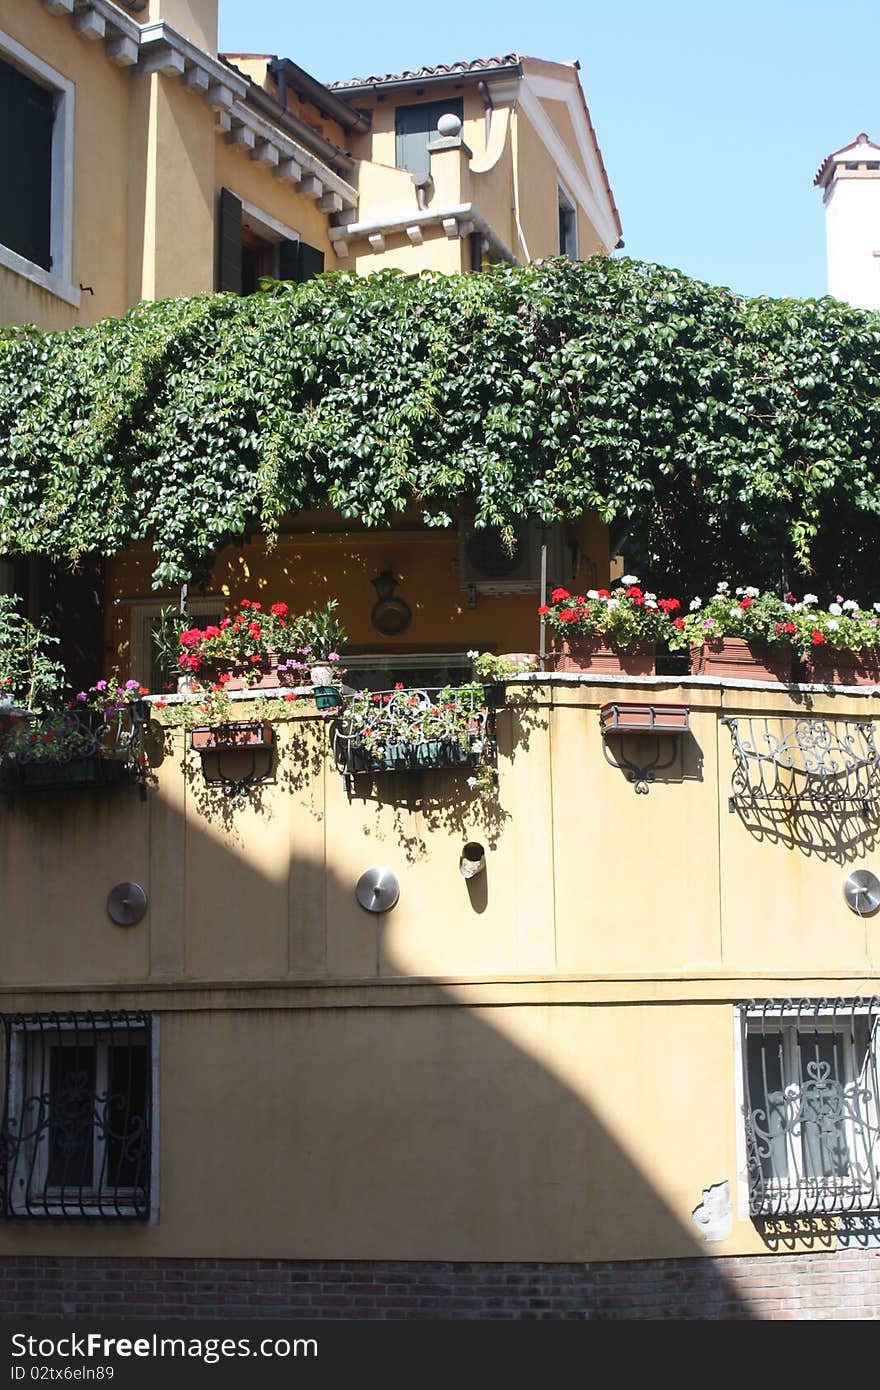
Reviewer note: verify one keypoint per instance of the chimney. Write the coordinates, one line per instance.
(850, 183)
(195, 19)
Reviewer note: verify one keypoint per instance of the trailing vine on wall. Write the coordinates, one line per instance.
(731, 435)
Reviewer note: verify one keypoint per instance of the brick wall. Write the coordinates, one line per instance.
(843, 1284)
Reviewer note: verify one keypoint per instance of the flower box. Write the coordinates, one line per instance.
(262, 675)
(829, 667)
(589, 653)
(733, 657)
(246, 734)
(46, 775)
(644, 719)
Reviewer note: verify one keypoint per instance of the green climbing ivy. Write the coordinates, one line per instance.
(723, 435)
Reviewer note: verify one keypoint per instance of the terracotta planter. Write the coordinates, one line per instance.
(644, 719)
(249, 676)
(591, 654)
(842, 667)
(247, 734)
(732, 657)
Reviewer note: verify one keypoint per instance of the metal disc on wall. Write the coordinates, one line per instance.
(862, 892)
(377, 890)
(126, 904)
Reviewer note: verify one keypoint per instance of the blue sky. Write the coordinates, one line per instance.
(712, 118)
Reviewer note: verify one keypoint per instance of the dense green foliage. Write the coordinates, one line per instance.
(734, 436)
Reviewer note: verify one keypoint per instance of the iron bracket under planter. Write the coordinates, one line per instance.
(643, 721)
(235, 756)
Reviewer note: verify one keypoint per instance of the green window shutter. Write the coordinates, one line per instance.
(27, 113)
(229, 242)
(288, 256)
(309, 262)
(416, 126)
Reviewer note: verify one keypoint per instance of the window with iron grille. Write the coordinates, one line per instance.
(77, 1119)
(812, 1122)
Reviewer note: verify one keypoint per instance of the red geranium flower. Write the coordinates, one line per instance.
(559, 595)
(545, 608)
(604, 593)
(245, 603)
(678, 622)
(817, 639)
(279, 610)
(567, 615)
(669, 605)
(746, 603)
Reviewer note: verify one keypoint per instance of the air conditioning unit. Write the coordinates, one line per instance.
(486, 566)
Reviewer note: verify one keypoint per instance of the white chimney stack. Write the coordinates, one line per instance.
(850, 181)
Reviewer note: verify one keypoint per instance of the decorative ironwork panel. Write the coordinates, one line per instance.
(832, 763)
(811, 1106)
(77, 1115)
(406, 730)
(59, 750)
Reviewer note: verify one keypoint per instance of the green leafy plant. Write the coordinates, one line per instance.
(620, 618)
(320, 634)
(489, 667)
(388, 724)
(30, 676)
(719, 431)
(748, 614)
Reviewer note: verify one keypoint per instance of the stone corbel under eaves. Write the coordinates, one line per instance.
(288, 160)
(455, 222)
(99, 21)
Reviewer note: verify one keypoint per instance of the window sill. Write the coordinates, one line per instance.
(37, 275)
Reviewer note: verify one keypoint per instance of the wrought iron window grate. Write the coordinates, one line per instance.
(823, 763)
(811, 1106)
(77, 1115)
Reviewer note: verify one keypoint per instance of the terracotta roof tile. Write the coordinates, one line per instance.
(465, 66)
(827, 163)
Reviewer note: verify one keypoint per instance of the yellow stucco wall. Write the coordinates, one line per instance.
(538, 1065)
(303, 568)
(148, 166)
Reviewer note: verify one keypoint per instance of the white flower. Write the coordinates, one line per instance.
(832, 624)
(650, 603)
(630, 579)
(810, 598)
(477, 745)
(472, 782)
(877, 607)
(740, 591)
(736, 610)
(592, 593)
(836, 609)
(698, 603)
(650, 598)
(797, 608)
(473, 655)
(752, 592)
(788, 608)
(851, 606)
(612, 602)
(723, 586)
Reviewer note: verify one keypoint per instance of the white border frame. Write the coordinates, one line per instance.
(57, 281)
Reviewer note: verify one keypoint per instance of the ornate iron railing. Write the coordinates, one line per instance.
(72, 748)
(811, 1106)
(824, 763)
(411, 729)
(77, 1115)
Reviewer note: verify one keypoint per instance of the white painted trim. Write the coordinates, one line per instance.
(58, 280)
(739, 1101)
(270, 226)
(588, 189)
(464, 212)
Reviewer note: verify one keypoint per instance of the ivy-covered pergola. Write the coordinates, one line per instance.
(725, 436)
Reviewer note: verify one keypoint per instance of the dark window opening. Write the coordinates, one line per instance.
(245, 256)
(27, 113)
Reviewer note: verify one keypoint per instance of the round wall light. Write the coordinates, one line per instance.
(377, 890)
(861, 889)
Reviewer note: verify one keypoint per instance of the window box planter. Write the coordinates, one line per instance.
(245, 734)
(843, 668)
(250, 676)
(733, 657)
(591, 654)
(645, 719)
(45, 775)
(327, 697)
(433, 753)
